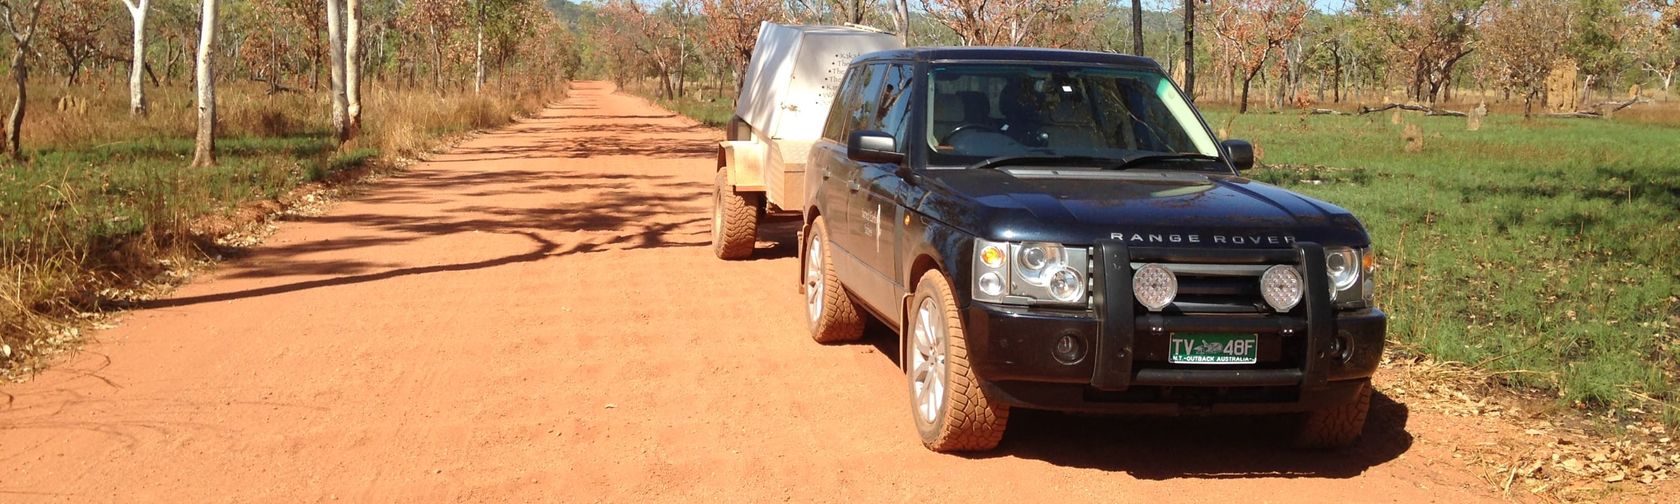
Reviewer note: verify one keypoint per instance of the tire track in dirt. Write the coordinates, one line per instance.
(536, 316)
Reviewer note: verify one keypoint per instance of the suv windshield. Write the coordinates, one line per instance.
(981, 111)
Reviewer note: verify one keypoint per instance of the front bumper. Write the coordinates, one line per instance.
(1125, 368)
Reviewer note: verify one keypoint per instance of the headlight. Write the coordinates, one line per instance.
(1343, 266)
(1154, 286)
(1350, 270)
(1281, 286)
(1029, 273)
(1036, 262)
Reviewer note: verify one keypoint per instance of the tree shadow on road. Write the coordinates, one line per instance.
(583, 212)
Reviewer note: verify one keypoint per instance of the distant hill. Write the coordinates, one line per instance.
(569, 12)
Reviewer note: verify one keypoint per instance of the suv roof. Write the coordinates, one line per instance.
(1009, 54)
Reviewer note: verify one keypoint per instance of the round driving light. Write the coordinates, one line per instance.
(1066, 285)
(992, 256)
(1281, 286)
(991, 283)
(1342, 267)
(1154, 286)
(1069, 349)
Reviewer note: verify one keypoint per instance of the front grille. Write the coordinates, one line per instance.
(1219, 292)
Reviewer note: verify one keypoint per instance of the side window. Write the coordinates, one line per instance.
(861, 115)
(845, 99)
(893, 112)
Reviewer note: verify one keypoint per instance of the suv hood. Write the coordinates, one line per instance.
(1142, 207)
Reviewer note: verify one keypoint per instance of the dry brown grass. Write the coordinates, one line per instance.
(411, 122)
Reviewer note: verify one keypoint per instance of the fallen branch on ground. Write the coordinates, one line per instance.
(1600, 111)
(1426, 109)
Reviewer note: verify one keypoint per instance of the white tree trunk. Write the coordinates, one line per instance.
(901, 14)
(478, 55)
(335, 55)
(353, 64)
(137, 66)
(204, 149)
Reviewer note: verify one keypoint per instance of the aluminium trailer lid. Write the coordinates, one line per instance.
(794, 73)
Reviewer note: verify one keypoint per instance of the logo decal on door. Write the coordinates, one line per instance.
(873, 219)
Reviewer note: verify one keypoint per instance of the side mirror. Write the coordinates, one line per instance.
(1240, 152)
(873, 147)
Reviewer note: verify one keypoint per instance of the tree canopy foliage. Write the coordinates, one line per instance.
(1427, 51)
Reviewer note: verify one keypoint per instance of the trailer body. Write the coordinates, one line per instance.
(787, 88)
(785, 95)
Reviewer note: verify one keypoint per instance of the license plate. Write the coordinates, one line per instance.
(1214, 348)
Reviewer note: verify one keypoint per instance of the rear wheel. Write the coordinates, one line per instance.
(734, 220)
(1336, 426)
(829, 310)
(952, 411)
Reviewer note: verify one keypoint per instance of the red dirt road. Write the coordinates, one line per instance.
(536, 316)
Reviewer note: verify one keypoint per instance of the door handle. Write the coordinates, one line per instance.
(854, 186)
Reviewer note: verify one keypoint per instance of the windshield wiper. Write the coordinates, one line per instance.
(1156, 158)
(995, 162)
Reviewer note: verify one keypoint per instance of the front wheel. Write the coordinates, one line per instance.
(1337, 426)
(734, 220)
(952, 411)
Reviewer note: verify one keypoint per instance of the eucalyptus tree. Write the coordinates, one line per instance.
(137, 9)
(20, 19)
(204, 146)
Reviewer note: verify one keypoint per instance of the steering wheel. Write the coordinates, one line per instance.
(946, 140)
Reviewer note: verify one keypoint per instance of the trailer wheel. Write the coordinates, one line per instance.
(734, 220)
(1337, 426)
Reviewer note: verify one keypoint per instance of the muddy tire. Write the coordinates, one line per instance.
(734, 220)
(951, 409)
(1337, 426)
(829, 310)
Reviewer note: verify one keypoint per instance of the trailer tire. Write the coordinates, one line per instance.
(734, 220)
(1335, 427)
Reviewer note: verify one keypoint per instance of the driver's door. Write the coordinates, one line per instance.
(880, 203)
(847, 229)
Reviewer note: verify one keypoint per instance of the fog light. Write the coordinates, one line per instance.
(1154, 286)
(1281, 287)
(1069, 349)
(991, 283)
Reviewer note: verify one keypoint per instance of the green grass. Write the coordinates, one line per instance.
(108, 192)
(1545, 252)
(76, 220)
(711, 112)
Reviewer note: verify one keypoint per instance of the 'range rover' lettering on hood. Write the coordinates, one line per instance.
(1139, 207)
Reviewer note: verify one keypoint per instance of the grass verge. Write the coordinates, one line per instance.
(1543, 253)
(699, 106)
